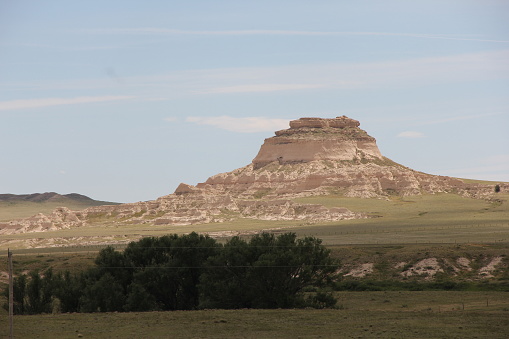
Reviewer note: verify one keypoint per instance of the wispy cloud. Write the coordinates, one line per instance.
(241, 125)
(494, 168)
(261, 88)
(337, 76)
(252, 32)
(45, 102)
(408, 73)
(458, 118)
(410, 134)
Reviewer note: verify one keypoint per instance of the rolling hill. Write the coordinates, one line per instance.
(17, 206)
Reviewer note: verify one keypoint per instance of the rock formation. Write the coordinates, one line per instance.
(311, 139)
(313, 157)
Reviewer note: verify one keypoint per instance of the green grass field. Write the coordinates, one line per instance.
(360, 315)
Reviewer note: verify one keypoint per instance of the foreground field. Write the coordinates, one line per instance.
(360, 315)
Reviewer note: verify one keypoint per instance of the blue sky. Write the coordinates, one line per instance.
(123, 100)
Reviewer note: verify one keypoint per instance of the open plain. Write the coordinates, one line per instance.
(409, 229)
(427, 314)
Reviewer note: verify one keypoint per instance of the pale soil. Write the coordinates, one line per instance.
(464, 263)
(428, 266)
(361, 271)
(487, 271)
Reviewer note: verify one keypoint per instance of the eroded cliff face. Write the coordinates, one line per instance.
(321, 177)
(311, 139)
(313, 157)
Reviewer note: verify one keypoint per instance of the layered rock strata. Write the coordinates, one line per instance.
(311, 139)
(313, 157)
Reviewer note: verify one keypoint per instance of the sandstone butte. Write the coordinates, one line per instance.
(313, 157)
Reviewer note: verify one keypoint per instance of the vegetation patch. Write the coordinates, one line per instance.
(184, 273)
(261, 193)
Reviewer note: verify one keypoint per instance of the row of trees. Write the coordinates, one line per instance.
(188, 272)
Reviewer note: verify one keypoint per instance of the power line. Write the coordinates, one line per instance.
(213, 267)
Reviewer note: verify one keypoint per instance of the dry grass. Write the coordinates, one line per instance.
(10, 210)
(440, 218)
(363, 315)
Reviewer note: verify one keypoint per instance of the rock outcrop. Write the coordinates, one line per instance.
(313, 157)
(311, 139)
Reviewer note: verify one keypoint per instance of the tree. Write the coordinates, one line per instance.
(139, 300)
(187, 272)
(19, 289)
(169, 268)
(222, 284)
(267, 272)
(102, 295)
(32, 293)
(69, 291)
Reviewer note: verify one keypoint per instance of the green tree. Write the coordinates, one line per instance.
(267, 272)
(39, 292)
(68, 290)
(169, 268)
(104, 294)
(19, 289)
(186, 272)
(114, 263)
(139, 300)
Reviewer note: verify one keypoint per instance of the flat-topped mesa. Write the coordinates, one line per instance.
(310, 139)
(339, 122)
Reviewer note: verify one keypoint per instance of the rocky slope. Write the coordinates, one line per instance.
(322, 156)
(313, 157)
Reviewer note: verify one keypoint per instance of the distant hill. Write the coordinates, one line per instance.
(16, 206)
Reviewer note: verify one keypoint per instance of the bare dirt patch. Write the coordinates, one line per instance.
(428, 266)
(487, 271)
(361, 271)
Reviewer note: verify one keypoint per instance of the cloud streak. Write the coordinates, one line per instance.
(408, 73)
(411, 135)
(241, 125)
(458, 118)
(262, 88)
(46, 102)
(254, 32)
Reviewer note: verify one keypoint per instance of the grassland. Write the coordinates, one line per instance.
(10, 210)
(402, 229)
(439, 218)
(360, 315)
